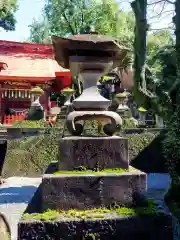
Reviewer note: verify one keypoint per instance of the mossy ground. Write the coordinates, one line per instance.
(98, 213)
(87, 171)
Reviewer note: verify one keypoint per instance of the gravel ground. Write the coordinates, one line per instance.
(17, 192)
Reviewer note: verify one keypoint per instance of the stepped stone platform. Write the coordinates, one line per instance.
(79, 191)
(95, 189)
(112, 228)
(93, 173)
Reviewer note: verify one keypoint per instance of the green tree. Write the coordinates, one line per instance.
(7, 11)
(162, 101)
(40, 31)
(64, 18)
(72, 17)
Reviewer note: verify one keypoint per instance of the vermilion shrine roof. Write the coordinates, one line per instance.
(28, 61)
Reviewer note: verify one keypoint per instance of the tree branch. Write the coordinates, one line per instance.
(161, 1)
(70, 27)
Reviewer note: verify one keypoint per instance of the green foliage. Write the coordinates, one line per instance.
(137, 142)
(76, 16)
(172, 146)
(148, 91)
(7, 11)
(91, 128)
(128, 123)
(163, 97)
(30, 124)
(39, 31)
(31, 156)
(157, 40)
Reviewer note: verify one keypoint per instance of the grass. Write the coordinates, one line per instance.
(98, 213)
(87, 171)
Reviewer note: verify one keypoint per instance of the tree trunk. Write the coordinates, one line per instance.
(177, 33)
(142, 96)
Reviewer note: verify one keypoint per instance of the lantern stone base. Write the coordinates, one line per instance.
(93, 152)
(87, 191)
(127, 228)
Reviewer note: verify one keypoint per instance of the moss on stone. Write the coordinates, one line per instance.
(97, 213)
(87, 171)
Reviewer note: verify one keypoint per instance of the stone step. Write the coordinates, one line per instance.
(154, 227)
(93, 152)
(87, 191)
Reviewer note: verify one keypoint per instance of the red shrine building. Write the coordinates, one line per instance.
(26, 65)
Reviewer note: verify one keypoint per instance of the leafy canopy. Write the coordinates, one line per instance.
(7, 11)
(69, 17)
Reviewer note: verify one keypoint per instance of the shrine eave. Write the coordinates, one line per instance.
(26, 79)
(29, 62)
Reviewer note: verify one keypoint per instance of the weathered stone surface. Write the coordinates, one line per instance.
(93, 152)
(133, 228)
(90, 191)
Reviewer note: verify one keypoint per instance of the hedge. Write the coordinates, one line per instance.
(31, 156)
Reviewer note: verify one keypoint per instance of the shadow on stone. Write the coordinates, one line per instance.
(3, 151)
(35, 204)
(151, 159)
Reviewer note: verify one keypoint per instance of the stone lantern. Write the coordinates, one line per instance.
(159, 122)
(122, 100)
(90, 56)
(68, 92)
(142, 115)
(36, 111)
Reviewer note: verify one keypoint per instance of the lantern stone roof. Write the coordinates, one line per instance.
(88, 45)
(28, 61)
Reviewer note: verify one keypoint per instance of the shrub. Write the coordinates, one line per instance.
(30, 124)
(128, 123)
(31, 156)
(171, 147)
(137, 142)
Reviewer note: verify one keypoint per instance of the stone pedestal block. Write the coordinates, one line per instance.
(154, 227)
(93, 152)
(87, 191)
